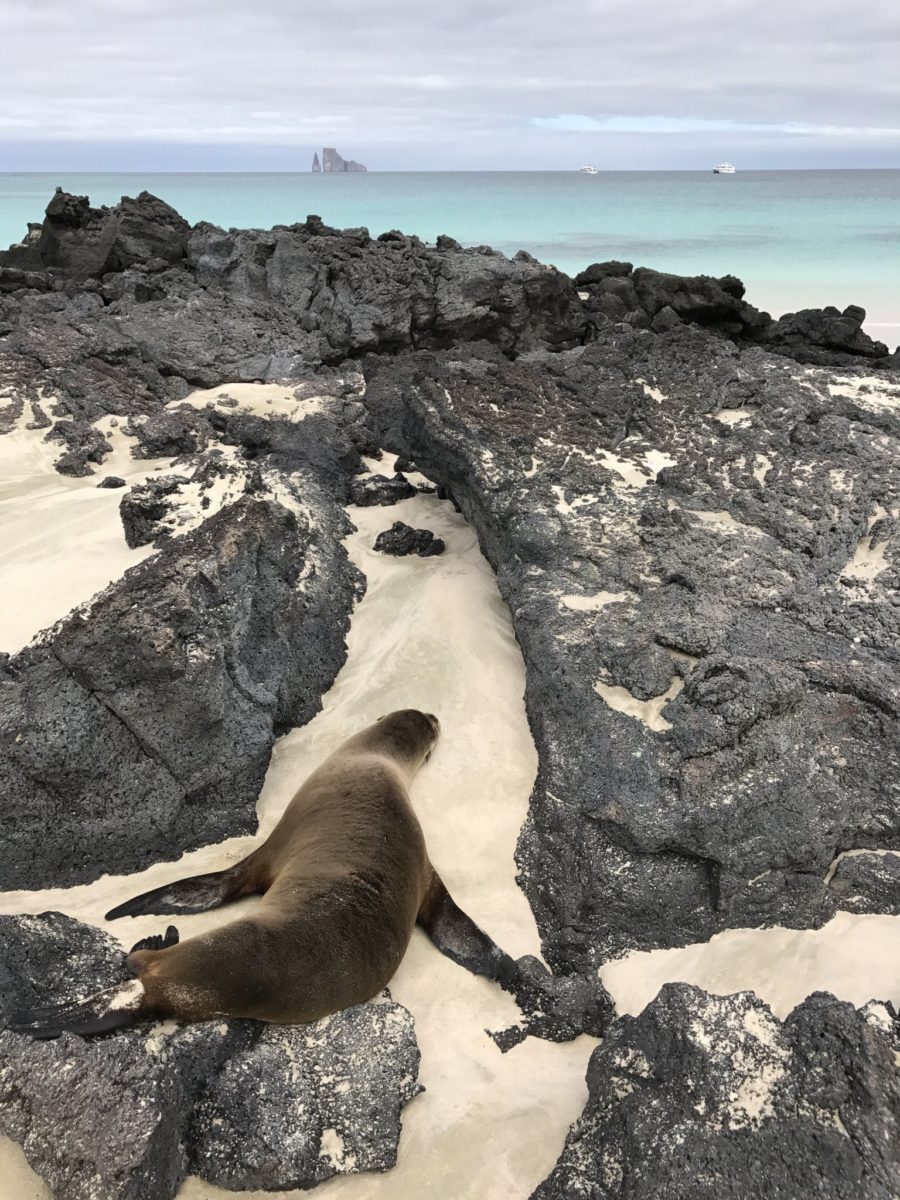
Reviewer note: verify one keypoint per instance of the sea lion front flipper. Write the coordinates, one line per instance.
(199, 893)
(158, 941)
(456, 935)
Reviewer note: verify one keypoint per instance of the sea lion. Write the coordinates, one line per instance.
(344, 877)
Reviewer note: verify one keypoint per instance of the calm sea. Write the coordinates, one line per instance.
(797, 238)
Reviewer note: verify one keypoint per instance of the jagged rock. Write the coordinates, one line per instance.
(127, 1115)
(402, 539)
(555, 1007)
(144, 729)
(84, 444)
(111, 481)
(711, 1097)
(660, 301)
(167, 434)
(93, 241)
(867, 883)
(825, 336)
(719, 574)
(145, 505)
(379, 489)
(306, 1102)
(209, 307)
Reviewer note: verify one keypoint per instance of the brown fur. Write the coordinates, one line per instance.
(344, 875)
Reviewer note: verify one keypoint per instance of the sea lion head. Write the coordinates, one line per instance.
(408, 734)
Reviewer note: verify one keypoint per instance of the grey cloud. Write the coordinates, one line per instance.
(458, 84)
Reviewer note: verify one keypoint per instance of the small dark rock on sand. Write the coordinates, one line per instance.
(402, 539)
(112, 481)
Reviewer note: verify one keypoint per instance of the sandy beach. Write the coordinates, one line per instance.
(431, 633)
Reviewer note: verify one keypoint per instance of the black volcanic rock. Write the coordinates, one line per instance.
(824, 336)
(712, 1098)
(402, 539)
(724, 577)
(867, 883)
(142, 307)
(144, 728)
(648, 299)
(83, 445)
(144, 506)
(306, 1102)
(93, 241)
(111, 481)
(380, 489)
(127, 1115)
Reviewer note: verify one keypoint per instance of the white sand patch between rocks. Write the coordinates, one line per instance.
(873, 392)
(637, 473)
(857, 958)
(647, 711)
(592, 603)
(61, 539)
(259, 399)
(735, 416)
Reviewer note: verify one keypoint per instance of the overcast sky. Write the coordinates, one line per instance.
(405, 84)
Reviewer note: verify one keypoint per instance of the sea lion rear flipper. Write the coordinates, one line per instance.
(110, 1009)
(199, 893)
(456, 935)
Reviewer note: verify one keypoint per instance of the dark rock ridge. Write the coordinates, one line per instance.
(647, 299)
(143, 727)
(240, 1103)
(380, 489)
(123, 309)
(402, 539)
(724, 597)
(712, 1098)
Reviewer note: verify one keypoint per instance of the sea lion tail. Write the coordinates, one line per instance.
(198, 893)
(109, 1009)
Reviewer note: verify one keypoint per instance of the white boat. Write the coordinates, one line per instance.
(723, 168)
(587, 169)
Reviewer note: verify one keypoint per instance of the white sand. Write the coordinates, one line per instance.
(261, 399)
(433, 633)
(61, 539)
(857, 958)
(873, 392)
(593, 603)
(638, 472)
(647, 711)
(868, 561)
(735, 416)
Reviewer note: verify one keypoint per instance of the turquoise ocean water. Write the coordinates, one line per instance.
(796, 238)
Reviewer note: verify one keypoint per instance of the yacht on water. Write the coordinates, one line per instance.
(723, 168)
(587, 169)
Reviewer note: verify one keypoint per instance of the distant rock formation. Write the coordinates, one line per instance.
(317, 166)
(332, 162)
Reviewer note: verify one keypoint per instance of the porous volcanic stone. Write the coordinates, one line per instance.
(681, 532)
(143, 727)
(402, 539)
(379, 489)
(712, 1098)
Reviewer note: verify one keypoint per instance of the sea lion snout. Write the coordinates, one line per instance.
(410, 732)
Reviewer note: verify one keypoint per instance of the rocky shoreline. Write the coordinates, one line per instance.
(693, 513)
